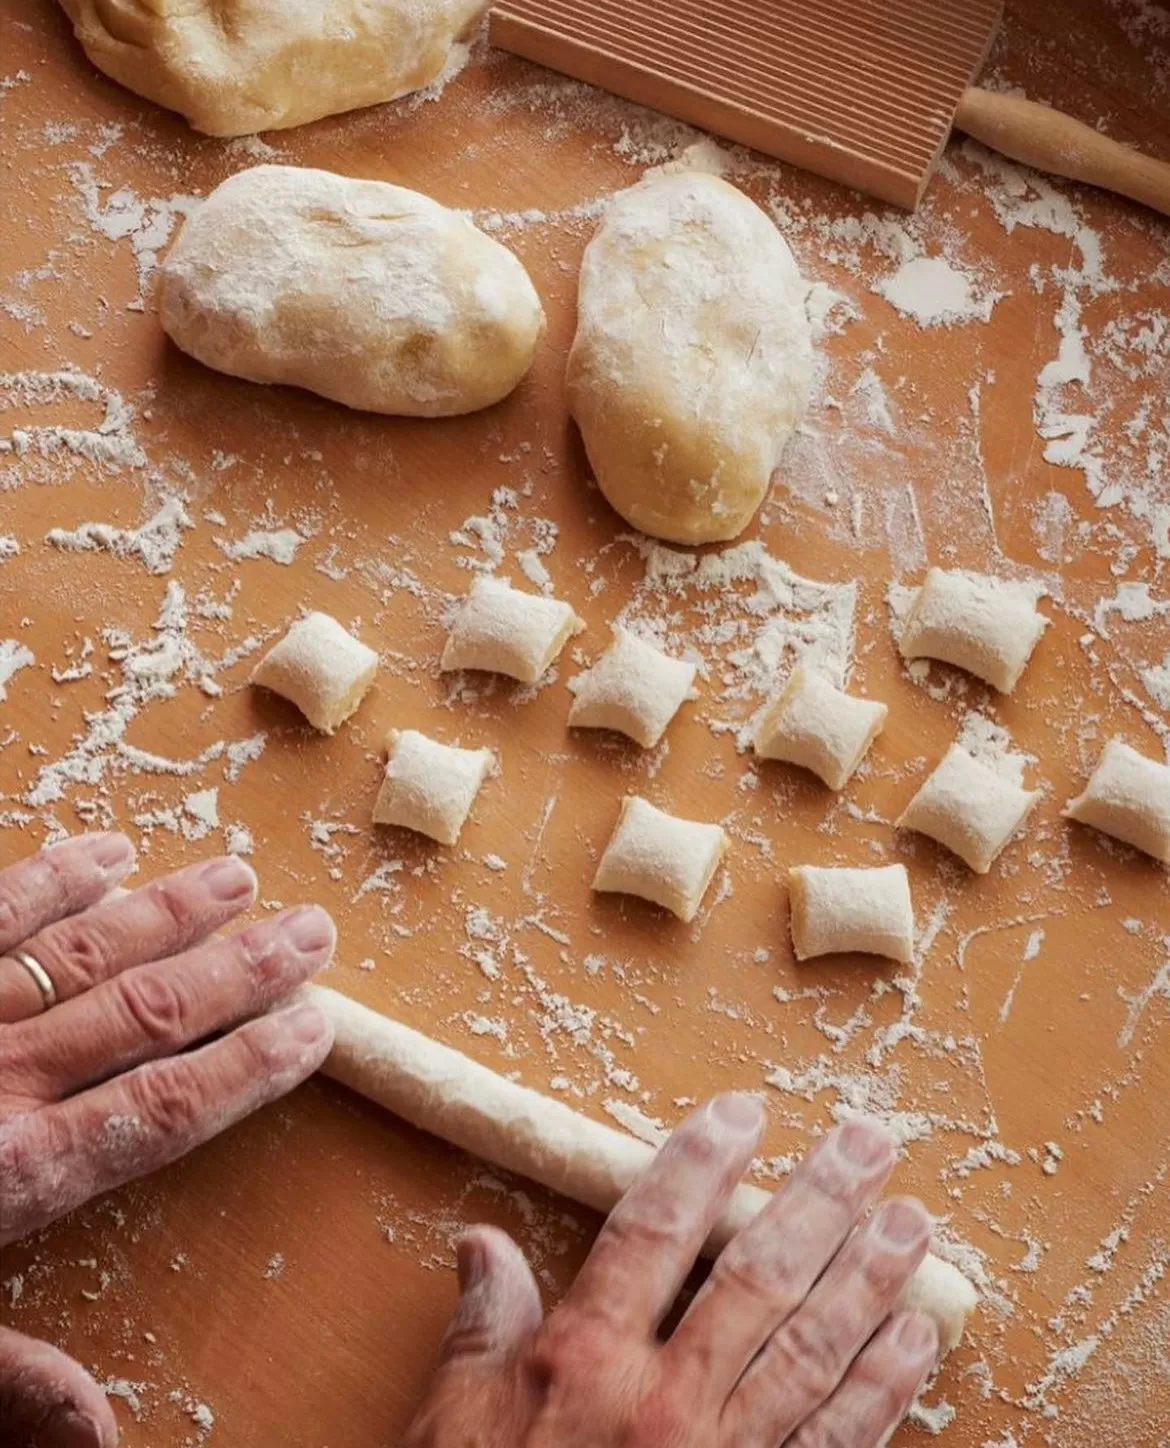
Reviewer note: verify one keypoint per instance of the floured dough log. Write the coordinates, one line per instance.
(319, 667)
(370, 294)
(1128, 797)
(835, 911)
(661, 858)
(442, 1091)
(233, 67)
(634, 688)
(820, 727)
(692, 360)
(988, 626)
(501, 630)
(430, 787)
(968, 808)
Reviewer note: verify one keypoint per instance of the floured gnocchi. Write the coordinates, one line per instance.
(988, 626)
(819, 727)
(634, 688)
(662, 858)
(501, 630)
(1128, 797)
(429, 787)
(839, 910)
(968, 808)
(321, 668)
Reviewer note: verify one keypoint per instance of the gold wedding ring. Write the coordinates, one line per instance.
(41, 978)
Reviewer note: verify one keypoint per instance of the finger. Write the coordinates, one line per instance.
(54, 1159)
(803, 1362)
(50, 885)
(764, 1274)
(158, 920)
(654, 1234)
(499, 1303)
(878, 1389)
(49, 1401)
(158, 1009)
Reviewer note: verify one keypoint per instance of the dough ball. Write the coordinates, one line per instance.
(367, 293)
(693, 356)
(239, 66)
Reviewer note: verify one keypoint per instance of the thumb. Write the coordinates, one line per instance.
(499, 1304)
(49, 1401)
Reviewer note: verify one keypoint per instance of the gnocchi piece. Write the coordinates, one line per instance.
(1128, 797)
(988, 626)
(839, 910)
(660, 857)
(968, 808)
(430, 787)
(319, 667)
(503, 631)
(820, 727)
(634, 688)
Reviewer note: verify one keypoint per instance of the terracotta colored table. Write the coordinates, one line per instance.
(289, 1283)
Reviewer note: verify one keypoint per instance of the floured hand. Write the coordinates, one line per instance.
(100, 1087)
(790, 1342)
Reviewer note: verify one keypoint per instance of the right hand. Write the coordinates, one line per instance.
(100, 1087)
(789, 1342)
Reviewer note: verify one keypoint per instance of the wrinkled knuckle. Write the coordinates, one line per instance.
(661, 1420)
(168, 1101)
(642, 1230)
(78, 948)
(24, 1200)
(751, 1272)
(809, 1357)
(174, 901)
(155, 1006)
(828, 1433)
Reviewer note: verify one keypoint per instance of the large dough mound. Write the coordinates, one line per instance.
(237, 66)
(693, 356)
(364, 292)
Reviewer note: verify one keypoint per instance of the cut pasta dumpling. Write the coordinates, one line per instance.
(662, 858)
(820, 727)
(988, 626)
(634, 688)
(969, 808)
(1128, 797)
(501, 630)
(429, 787)
(319, 667)
(837, 910)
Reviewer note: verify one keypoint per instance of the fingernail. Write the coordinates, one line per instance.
(863, 1143)
(916, 1335)
(309, 930)
(70, 1429)
(113, 855)
(229, 880)
(305, 1023)
(739, 1112)
(902, 1224)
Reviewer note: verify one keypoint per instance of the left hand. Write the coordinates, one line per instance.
(98, 1085)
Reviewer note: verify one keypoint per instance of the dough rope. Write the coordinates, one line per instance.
(441, 1091)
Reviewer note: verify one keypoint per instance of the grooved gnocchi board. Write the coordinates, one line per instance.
(317, 1238)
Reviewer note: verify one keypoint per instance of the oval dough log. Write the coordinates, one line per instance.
(693, 356)
(370, 294)
(442, 1091)
(239, 66)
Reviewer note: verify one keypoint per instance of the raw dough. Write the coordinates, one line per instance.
(988, 626)
(634, 688)
(1128, 797)
(693, 356)
(660, 857)
(321, 668)
(367, 293)
(820, 727)
(968, 808)
(440, 1090)
(429, 787)
(233, 67)
(839, 910)
(503, 631)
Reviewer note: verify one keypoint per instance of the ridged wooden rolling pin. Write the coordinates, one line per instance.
(1048, 140)
(443, 1092)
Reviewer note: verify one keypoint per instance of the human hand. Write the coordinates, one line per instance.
(97, 1085)
(789, 1342)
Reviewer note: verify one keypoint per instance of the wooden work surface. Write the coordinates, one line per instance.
(289, 1283)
